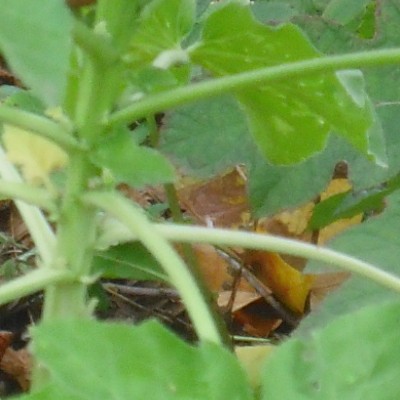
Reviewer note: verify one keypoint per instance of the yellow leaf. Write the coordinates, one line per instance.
(252, 359)
(36, 156)
(289, 286)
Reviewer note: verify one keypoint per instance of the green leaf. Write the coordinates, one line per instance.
(201, 7)
(120, 18)
(128, 261)
(24, 100)
(50, 392)
(273, 11)
(207, 137)
(161, 27)
(324, 212)
(289, 120)
(344, 11)
(348, 204)
(93, 360)
(132, 164)
(353, 357)
(35, 40)
(375, 241)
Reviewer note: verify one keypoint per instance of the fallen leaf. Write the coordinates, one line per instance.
(255, 323)
(18, 365)
(337, 186)
(252, 358)
(36, 156)
(5, 341)
(220, 202)
(242, 299)
(289, 286)
(324, 284)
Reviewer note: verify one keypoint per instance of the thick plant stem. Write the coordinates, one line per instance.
(180, 276)
(75, 237)
(175, 97)
(77, 222)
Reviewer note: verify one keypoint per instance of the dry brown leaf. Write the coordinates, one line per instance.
(221, 202)
(5, 341)
(213, 268)
(324, 284)
(18, 365)
(256, 324)
(242, 299)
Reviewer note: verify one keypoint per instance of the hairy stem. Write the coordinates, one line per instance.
(161, 101)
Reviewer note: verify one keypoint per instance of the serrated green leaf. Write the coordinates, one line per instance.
(130, 163)
(353, 357)
(93, 360)
(289, 120)
(128, 261)
(35, 40)
(207, 137)
(161, 27)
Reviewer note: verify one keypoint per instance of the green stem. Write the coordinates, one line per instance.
(94, 45)
(154, 135)
(191, 260)
(39, 229)
(32, 282)
(280, 245)
(39, 125)
(175, 97)
(225, 237)
(29, 194)
(179, 274)
(77, 221)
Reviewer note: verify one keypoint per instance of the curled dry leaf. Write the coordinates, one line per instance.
(289, 286)
(18, 365)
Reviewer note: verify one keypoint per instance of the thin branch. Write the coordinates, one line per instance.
(29, 194)
(226, 237)
(32, 282)
(39, 125)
